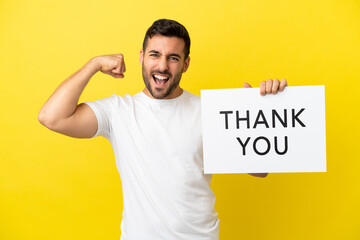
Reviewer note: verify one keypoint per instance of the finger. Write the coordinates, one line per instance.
(116, 70)
(118, 75)
(275, 86)
(263, 88)
(269, 84)
(119, 68)
(246, 85)
(123, 68)
(283, 84)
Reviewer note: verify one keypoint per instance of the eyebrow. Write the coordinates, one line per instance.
(172, 54)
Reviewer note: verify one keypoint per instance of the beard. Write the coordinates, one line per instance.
(160, 93)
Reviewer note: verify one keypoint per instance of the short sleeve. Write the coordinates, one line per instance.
(103, 109)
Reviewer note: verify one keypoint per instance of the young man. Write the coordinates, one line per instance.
(156, 137)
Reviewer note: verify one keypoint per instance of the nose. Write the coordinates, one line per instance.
(163, 64)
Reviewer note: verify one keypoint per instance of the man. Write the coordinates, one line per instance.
(156, 137)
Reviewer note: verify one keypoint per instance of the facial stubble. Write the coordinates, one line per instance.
(158, 92)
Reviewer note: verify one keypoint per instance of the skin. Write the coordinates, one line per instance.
(61, 112)
(163, 56)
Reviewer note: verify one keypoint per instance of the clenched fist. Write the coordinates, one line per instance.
(114, 65)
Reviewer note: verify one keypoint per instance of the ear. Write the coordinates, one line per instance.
(141, 56)
(186, 64)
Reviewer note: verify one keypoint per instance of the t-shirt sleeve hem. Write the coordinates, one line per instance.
(99, 131)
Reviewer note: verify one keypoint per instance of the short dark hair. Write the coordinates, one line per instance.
(168, 28)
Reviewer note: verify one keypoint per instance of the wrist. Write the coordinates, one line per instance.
(94, 64)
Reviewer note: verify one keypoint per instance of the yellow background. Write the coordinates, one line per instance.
(56, 187)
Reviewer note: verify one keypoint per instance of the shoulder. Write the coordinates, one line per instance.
(191, 100)
(111, 103)
(117, 99)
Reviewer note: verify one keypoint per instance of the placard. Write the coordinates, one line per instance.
(244, 132)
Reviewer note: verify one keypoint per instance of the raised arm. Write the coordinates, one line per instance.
(61, 112)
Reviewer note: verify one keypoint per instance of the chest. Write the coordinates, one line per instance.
(169, 130)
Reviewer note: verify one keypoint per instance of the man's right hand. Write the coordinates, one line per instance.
(114, 65)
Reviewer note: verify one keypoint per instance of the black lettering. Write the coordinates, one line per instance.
(295, 117)
(226, 117)
(282, 121)
(261, 114)
(243, 144)
(285, 148)
(268, 145)
(247, 119)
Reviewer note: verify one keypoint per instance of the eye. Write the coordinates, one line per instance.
(154, 54)
(174, 59)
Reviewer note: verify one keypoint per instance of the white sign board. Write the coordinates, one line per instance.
(244, 132)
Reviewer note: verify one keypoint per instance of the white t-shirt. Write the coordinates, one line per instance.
(158, 152)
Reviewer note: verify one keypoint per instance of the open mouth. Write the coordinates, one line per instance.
(160, 80)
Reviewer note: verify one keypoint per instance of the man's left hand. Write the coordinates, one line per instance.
(267, 87)
(270, 86)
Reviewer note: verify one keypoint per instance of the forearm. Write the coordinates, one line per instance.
(63, 102)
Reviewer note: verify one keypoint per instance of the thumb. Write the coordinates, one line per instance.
(119, 67)
(116, 69)
(246, 85)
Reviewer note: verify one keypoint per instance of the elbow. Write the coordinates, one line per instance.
(46, 120)
(41, 118)
(261, 175)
